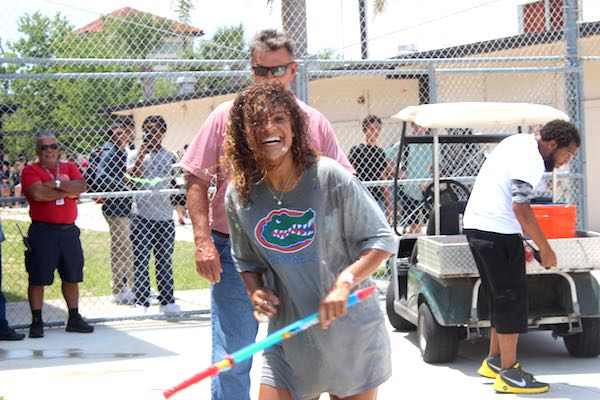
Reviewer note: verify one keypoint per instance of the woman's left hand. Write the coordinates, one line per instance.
(333, 305)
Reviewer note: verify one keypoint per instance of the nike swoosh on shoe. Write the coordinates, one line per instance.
(519, 383)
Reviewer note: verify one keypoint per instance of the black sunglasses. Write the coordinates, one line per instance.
(44, 147)
(278, 70)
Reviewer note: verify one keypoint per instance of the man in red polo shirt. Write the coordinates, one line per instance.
(52, 188)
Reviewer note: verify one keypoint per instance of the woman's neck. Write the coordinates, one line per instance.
(284, 177)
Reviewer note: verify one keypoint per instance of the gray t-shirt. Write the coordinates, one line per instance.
(156, 206)
(321, 228)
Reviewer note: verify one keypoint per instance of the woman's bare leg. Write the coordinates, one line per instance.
(267, 392)
(368, 395)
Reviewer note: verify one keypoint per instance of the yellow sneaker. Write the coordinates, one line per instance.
(490, 367)
(515, 380)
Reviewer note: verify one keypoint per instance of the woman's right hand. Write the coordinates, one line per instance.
(264, 301)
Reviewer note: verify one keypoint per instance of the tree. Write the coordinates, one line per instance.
(293, 20)
(184, 8)
(227, 43)
(69, 106)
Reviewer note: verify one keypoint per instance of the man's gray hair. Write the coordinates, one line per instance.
(44, 135)
(271, 40)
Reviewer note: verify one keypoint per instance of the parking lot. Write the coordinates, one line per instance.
(137, 359)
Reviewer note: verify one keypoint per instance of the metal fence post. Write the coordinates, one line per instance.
(301, 81)
(574, 96)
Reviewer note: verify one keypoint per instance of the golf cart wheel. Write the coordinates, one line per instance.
(586, 343)
(399, 323)
(439, 344)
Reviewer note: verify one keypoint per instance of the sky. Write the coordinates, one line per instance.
(332, 24)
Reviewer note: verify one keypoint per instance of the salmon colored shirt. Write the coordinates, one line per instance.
(202, 156)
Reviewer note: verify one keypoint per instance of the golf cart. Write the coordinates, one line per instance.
(435, 283)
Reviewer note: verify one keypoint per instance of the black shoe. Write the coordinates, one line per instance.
(36, 330)
(11, 334)
(78, 324)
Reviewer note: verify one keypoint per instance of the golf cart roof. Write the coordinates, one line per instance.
(479, 114)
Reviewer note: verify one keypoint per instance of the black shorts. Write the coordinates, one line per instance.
(500, 259)
(53, 247)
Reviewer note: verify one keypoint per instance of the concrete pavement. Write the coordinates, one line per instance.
(136, 359)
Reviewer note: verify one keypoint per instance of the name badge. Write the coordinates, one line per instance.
(60, 202)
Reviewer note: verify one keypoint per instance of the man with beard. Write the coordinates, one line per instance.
(497, 214)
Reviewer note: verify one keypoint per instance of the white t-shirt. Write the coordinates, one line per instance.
(490, 204)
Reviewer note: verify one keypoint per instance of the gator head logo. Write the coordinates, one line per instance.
(286, 231)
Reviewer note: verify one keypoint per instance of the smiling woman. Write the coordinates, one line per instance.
(293, 215)
(268, 139)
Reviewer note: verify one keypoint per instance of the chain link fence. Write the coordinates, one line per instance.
(76, 81)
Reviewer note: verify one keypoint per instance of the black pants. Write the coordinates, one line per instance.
(500, 259)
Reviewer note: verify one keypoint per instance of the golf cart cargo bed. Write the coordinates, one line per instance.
(449, 256)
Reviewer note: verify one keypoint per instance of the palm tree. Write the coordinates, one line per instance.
(183, 8)
(293, 18)
(378, 7)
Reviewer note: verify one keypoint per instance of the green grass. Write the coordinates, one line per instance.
(97, 276)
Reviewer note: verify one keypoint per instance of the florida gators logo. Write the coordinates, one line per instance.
(286, 231)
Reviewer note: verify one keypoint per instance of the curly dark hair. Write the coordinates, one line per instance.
(562, 132)
(249, 115)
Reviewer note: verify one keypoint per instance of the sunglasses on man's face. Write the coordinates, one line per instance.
(278, 70)
(44, 147)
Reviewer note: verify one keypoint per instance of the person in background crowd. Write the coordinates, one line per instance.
(5, 180)
(52, 189)
(370, 162)
(152, 226)
(233, 325)
(15, 177)
(6, 332)
(110, 177)
(417, 165)
(178, 200)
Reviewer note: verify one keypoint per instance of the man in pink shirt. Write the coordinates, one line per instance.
(233, 325)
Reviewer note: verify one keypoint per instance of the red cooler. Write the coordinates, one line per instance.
(556, 220)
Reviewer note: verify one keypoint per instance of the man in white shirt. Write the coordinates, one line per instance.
(497, 214)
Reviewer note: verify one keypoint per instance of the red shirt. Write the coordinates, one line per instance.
(49, 211)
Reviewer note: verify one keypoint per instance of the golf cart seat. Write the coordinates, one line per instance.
(450, 218)
(453, 200)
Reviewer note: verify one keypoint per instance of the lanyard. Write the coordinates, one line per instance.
(57, 177)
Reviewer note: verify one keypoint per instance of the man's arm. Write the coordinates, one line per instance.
(44, 191)
(135, 169)
(526, 218)
(109, 176)
(72, 188)
(521, 194)
(208, 262)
